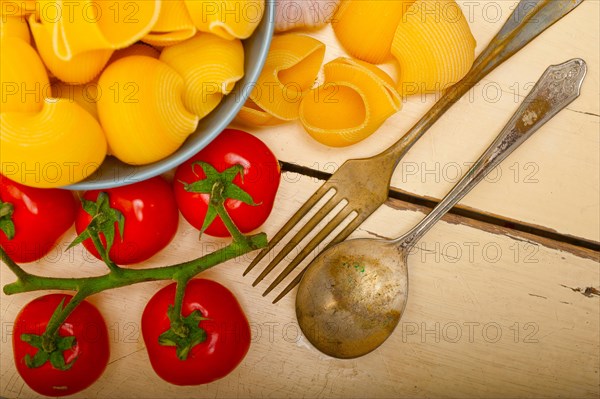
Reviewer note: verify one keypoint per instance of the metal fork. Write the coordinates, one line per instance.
(364, 183)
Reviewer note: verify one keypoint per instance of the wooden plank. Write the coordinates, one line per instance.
(551, 182)
(488, 315)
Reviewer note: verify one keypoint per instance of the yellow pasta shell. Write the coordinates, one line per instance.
(174, 25)
(82, 26)
(433, 45)
(354, 101)
(252, 115)
(289, 72)
(23, 78)
(210, 67)
(229, 19)
(14, 27)
(59, 145)
(135, 49)
(366, 27)
(166, 39)
(17, 8)
(141, 109)
(80, 69)
(86, 96)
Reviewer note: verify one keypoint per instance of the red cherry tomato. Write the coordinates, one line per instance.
(261, 180)
(151, 220)
(89, 353)
(227, 333)
(40, 217)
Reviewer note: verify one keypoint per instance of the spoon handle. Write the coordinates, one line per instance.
(557, 88)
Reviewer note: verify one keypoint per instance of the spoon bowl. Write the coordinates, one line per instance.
(352, 297)
(353, 294)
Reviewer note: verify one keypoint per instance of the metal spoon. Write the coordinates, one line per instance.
(353, 294)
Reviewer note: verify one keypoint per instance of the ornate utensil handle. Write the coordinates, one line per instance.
(557, 88)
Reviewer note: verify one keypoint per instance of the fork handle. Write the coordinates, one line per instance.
(527, 21)
(557, 88)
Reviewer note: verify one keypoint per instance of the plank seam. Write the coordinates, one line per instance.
(465, 212)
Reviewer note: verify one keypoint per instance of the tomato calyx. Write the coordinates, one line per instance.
(50, 347)
(103, 222)
(220, 186)
(184, 333)
(6, 223)
(55, 355)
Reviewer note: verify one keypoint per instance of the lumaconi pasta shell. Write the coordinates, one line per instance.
(142, 111)
(14, 27)
(433, 45)
(210, 67)
(166, 39)
(252, 115)
(135, 49)
(80, 69)
(86, 96)
(289, 73)
(354, 101)
(81, 26)
(23, 79)
(229, 19)
(10, 8)
(57, 146)
(366, 27)
(174, 25)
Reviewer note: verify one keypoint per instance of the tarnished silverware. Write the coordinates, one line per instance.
(364, 183)
(353, 294)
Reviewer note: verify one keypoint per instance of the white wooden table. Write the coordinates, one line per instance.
(493, 311)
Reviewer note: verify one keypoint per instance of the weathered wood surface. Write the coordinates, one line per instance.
(492, 312)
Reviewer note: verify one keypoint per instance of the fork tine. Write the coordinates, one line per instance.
(300, 235)
(335, 222)
(300, 213)
(307, 228)
(339, 238)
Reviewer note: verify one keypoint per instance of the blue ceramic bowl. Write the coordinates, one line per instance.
(114, 173)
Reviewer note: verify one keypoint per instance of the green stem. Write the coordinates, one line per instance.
(231, 227)
(52, 328)
(176, 313)
(92, 285)
(104, 254)
(179, 293)
(21, 274)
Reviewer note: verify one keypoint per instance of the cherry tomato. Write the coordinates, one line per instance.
(39, 217)
(227, 333)
(151, 220)
(89, 353)
(261, 178)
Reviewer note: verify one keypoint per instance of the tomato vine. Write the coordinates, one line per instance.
(117, 277)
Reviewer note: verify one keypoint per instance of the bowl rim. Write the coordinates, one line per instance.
(183, 154)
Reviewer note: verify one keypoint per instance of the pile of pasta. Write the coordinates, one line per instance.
(83, 78)
(430, 41)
